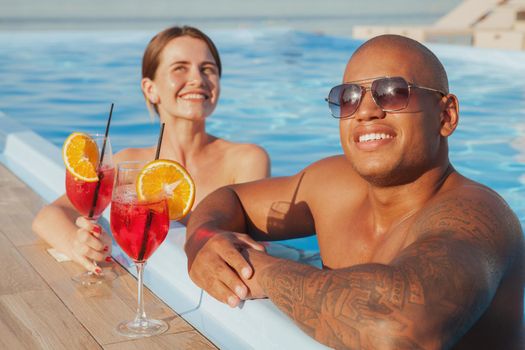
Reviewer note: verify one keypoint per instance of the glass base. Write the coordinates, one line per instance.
(89, 278)
(141, 328)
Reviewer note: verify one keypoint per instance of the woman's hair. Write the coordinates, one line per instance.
(151, 58)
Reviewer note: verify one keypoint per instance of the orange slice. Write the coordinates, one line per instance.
(80, 154)
(167, 178)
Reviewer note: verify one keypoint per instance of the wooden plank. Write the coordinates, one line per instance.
(102, 307)
(30, 199)
(18, 207)
(16, 275)
(191, 340)
(38, 320)
(41, 307)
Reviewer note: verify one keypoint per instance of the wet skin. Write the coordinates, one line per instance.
(185, 89)
(416, 255)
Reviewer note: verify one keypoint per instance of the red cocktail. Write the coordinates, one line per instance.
(89, 184)
(81, 193)
(139, 228)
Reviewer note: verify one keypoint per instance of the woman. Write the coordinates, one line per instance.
(181, 69)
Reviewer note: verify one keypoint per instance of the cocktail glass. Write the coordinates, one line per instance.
(139, 228)
(90, 199)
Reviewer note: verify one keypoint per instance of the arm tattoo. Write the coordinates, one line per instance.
(346, 310)
(429, 295)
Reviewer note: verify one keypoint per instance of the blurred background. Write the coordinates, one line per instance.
(330, 16)
(62, 62)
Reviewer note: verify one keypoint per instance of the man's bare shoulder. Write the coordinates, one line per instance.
(333, 166)
(333, 173)
(467, 247)
(474, 213)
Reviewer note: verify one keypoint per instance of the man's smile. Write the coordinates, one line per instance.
(374, 137)
(369, 138)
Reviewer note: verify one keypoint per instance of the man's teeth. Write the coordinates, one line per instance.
(194, 97)
(374, 137)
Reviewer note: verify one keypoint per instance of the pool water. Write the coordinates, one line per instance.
(273, 88)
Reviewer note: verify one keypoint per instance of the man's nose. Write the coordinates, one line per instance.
(368, 109)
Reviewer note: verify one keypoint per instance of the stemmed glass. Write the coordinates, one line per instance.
(91, 198)
(139, 228)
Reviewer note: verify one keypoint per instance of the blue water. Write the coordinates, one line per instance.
(273, 86)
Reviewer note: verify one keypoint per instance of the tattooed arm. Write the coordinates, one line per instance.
(230, 219)
(427, 297)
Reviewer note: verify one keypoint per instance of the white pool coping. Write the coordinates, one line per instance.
(256, 324)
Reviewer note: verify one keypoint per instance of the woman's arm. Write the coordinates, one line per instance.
(59, 224)
(82, 241)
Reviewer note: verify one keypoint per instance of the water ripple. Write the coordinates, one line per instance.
(273, 90)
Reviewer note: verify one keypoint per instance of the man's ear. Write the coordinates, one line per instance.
(450, 115)
(150, 90)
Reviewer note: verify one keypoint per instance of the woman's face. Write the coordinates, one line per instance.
(186, 83)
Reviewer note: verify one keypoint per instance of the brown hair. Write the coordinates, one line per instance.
(151, 58)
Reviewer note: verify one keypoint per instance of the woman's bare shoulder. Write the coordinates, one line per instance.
(248, 151)
(247, 161)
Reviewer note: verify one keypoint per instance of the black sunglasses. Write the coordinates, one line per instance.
(389, 93)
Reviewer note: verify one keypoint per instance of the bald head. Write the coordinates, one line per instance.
(398, 55)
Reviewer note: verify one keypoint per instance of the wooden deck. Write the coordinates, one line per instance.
(42, 308)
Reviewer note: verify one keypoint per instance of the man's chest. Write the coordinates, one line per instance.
(348, 238)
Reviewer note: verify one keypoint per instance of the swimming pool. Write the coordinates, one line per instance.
(273, 86)
(272, 93)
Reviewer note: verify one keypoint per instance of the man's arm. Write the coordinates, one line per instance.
(427, 297)
(229, 220)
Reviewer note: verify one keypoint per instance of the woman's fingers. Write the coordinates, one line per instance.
(88, 264)
(87, 245)
(89, 225)
(84, 223)
(87, 238)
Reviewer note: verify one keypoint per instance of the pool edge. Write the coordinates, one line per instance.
(255, 325)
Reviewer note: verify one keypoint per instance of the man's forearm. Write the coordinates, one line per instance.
(358, 309)
(221, 210)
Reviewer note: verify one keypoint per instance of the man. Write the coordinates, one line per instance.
(416, 256)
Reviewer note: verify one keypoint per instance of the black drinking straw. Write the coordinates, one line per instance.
(100, 173)
(150, 214)
(159, 143)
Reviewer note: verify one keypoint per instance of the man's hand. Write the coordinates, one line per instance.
(259, 261)
(215, 263)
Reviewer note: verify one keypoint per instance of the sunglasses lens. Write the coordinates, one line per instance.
(343, 100)
(391, 94)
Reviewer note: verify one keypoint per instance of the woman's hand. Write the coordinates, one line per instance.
(89, 244)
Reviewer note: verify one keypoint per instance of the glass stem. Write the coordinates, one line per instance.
(141, 314)
(94, 222)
